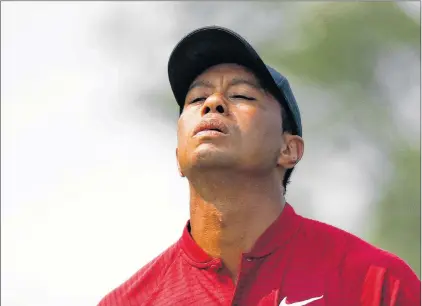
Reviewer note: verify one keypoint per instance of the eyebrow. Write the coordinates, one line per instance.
(200, 83)
(233, 82)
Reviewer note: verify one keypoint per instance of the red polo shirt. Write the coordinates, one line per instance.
(296, 261)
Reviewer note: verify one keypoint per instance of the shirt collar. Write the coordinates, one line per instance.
(278, 234)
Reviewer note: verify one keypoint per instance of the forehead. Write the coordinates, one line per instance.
(227, 70)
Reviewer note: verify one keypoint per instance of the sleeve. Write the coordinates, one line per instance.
(396, 285)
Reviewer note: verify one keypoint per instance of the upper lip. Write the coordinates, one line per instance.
(211, 124)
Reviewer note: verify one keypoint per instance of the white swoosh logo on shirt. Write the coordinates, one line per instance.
(283, 302)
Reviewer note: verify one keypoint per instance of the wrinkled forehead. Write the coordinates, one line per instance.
(227, 69)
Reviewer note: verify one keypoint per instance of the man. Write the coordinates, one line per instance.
(239, 138)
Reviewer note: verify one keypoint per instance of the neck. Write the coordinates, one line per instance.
(230, 211)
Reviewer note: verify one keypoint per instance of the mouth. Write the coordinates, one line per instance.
(209, 133)
(216, 130)
(211, 127)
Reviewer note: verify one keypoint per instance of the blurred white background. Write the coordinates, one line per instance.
(86, 193)
(90, 190)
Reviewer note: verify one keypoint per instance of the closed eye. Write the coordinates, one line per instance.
(242, 97)
(198, 99)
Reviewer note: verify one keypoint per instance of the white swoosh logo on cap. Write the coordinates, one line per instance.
(283, 302)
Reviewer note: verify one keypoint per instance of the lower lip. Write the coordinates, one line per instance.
(209, 133)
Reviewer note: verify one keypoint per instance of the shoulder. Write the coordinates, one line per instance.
(381, 276)
(363, 267)
(355, 252)
(144, 283)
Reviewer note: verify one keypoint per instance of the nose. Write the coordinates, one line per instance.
(214, 104)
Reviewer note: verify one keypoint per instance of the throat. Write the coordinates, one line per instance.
(228, 213)
(230, 234)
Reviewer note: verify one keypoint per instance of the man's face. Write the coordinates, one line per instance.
(239, 123)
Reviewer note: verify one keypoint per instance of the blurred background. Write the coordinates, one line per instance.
(90, 190)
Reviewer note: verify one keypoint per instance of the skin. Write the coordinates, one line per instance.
(234, 178)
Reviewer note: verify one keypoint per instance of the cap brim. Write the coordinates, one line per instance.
(210, 46)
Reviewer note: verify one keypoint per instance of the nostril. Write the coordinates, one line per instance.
(207, 110)
(220, 109)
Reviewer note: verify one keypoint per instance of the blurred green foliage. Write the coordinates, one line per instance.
(343, 41)
(399, 209)
(340, 45)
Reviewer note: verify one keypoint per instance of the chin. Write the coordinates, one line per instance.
(211, 158)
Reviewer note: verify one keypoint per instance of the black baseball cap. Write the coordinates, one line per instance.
(213, 45)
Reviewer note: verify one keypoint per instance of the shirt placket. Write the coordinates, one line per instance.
(246, 266)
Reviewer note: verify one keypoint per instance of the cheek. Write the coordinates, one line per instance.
(181, 138)
(184, 128)
(247, 118)
(259, 125)
(180, 131)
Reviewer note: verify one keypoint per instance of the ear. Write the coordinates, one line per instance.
(291, 151)
(178, 165)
